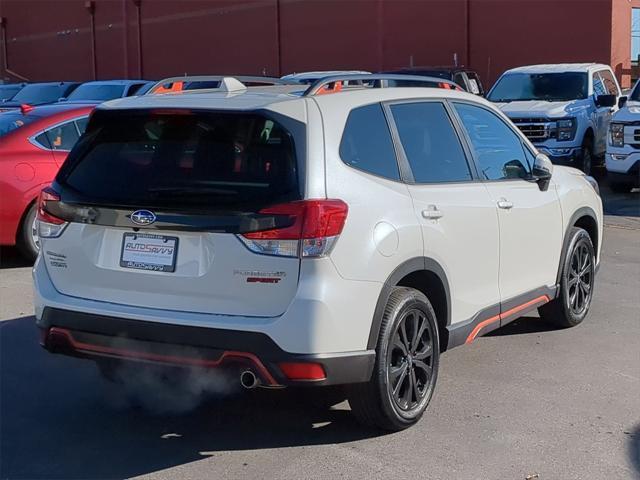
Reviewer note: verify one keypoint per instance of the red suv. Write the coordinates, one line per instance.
(34, 141)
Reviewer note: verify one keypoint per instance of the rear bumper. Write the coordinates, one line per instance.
(100, 337)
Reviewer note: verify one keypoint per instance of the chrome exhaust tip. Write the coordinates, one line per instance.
(249, 380)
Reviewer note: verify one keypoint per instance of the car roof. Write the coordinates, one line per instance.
(211, 99)
(56, 108)
(321, 74)
(440, 68)
(256, 98)
(38, 84)
(558, 68)
(114, 82)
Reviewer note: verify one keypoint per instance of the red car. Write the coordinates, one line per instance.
(34, 141)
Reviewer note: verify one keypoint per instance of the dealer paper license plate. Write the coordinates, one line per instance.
(149, 252)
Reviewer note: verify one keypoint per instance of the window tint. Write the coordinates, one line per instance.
(222, 161)
(499, 151)
(539, 86)
(366, 142)
(63, 137)
(35, 94)
(93, 91)
(430, 143)
(459, 79)
(609, 82)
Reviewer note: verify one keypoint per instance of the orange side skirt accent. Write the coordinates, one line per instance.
(540, 300)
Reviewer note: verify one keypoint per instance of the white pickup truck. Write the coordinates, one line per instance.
(623, 147)
(564, 109)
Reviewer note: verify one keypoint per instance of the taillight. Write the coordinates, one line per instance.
(49, 226)
(315, 226)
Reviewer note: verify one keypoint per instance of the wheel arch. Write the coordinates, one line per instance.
(427, 276)
(586, 219)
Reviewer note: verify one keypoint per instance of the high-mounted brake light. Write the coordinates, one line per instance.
(49, 226)
(314, 228)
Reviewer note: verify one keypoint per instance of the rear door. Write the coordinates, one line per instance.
(158, 200)
(457, 215)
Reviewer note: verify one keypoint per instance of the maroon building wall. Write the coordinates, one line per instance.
(49, 40)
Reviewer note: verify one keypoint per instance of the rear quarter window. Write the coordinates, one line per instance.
(366, 143)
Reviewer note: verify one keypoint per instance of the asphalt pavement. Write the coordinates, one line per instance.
(527, 401)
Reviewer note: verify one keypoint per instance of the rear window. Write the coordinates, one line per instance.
(97, 92)
(35, 94)
(203, 161)
(10, 121)
(8, 91)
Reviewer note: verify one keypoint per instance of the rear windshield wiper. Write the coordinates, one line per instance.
(179, 191)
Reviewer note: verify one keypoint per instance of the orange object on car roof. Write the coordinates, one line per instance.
(172, 88)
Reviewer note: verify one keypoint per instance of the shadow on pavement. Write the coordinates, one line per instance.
(634, 448)
(619, 204)
(59, 420)
(522, 326)
(10, 257)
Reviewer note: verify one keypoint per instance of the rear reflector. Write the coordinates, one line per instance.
(315, 226)
(303, 371)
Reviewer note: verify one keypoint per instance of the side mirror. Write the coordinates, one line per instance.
(542, 171)
(622, 101)
(606, 100)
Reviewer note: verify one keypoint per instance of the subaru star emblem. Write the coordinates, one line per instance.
(143, 217)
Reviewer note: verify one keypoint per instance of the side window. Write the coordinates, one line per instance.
(609, 82)
(430, 143)
(366, 142)
(459, 79)
(63, 137)
(81, 124)
(498, 149)
(43, 140)
(598, 86)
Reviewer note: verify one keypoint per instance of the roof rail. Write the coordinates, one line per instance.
(176, 84)
(379, 80)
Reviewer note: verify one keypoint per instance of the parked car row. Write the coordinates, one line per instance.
(565, 110)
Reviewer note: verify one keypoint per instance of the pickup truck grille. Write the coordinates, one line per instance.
(536, 129)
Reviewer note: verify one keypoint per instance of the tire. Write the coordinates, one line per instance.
(28, 243)
(577, 283)
(587, 156)
(393, 398)
(619, 187)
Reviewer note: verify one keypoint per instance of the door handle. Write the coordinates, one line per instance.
(432, 212)
(505, 204)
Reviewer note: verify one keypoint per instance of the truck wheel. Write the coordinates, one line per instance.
(406, 366)
(587, 155)
(28, 242)
(576, 283)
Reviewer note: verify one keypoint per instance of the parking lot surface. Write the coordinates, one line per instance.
(526, 400)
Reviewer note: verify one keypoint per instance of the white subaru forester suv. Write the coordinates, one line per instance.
(306, 238)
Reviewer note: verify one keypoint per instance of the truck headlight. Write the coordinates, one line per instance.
(566, 129)
(616, 134)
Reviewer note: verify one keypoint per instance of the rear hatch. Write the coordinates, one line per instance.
(157, 202)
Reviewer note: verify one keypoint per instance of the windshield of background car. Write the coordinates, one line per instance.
(97, 92)
(635, 93)
(8, 91)
(540, 86)
(176, 159)
(10, 121)
(36, 94)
